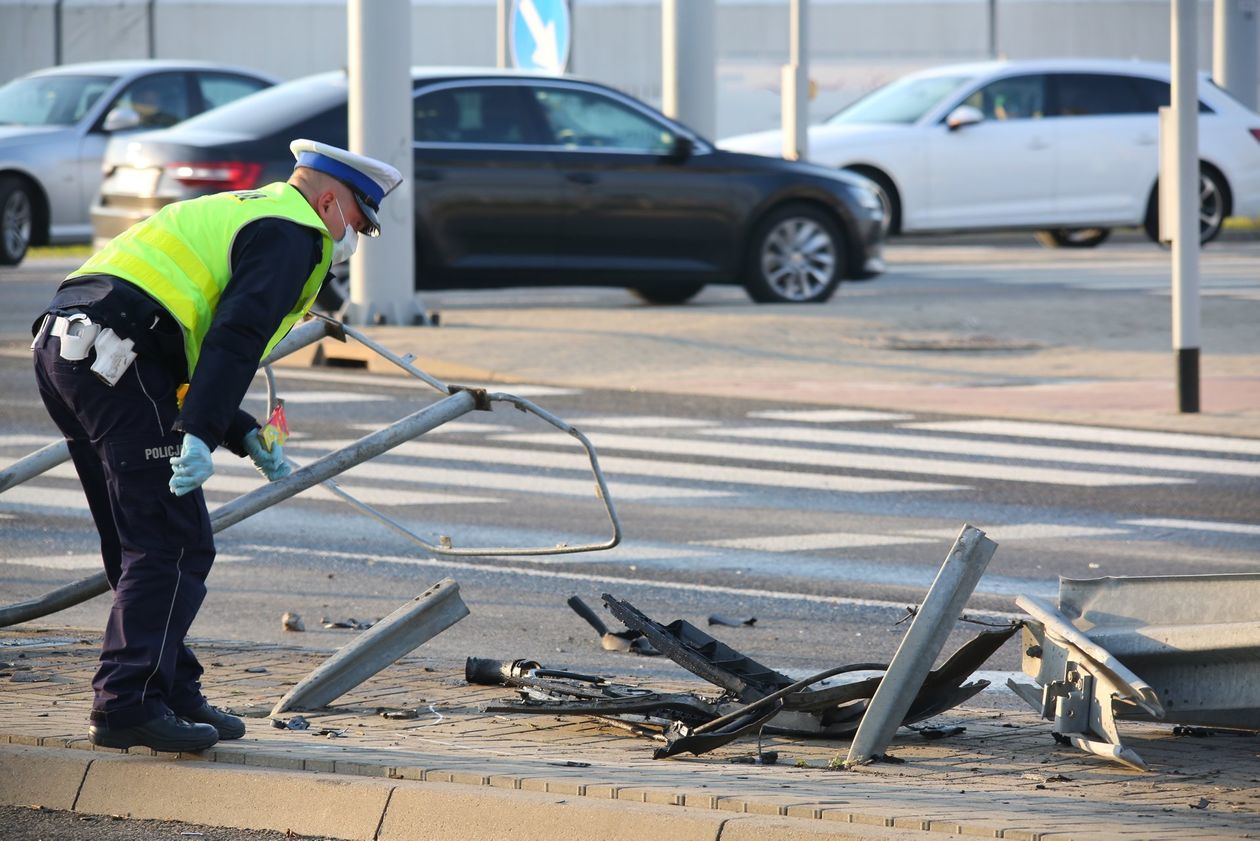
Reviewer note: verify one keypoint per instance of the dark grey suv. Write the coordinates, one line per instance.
(533, 180)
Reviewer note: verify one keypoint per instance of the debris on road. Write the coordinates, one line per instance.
(632, 642)
(292, 622)
(1099, 655)
(296, 723)
(726, 621)
(351, 623)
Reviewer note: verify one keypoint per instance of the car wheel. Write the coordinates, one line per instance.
(676, 293)
(335, 292)
(16, 221)
(1073, 237)
(796, 257)
(1213, 208)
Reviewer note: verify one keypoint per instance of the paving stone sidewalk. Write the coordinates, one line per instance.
(1005, 776)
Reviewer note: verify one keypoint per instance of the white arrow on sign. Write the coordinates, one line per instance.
(546, 50)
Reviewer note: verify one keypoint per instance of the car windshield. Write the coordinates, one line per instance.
(50, 100)
(903, 101)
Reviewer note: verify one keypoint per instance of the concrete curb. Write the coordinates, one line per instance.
(364, 809)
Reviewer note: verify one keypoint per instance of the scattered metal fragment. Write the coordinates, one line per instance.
(292, 622)
(296, 723)
(30, 677)
(256, 670)
(1203, 732)
(769, 757)
(934, 733)
(1202, 804)
(400, 715)
(632, 642)
(719, 619)
(569, 763)
(400, 633)
(351, 623)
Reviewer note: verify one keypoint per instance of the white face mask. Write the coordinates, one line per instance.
(345, 247)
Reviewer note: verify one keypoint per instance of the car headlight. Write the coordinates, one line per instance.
(868, 199)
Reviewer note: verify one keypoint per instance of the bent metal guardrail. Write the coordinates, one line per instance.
(460, 401)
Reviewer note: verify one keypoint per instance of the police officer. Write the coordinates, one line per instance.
(196, 294)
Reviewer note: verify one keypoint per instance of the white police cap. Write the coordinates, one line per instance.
(369, 180)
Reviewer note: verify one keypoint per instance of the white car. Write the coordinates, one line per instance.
(1067, 147)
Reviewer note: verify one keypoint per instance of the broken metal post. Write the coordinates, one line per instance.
(398, 634)
(921, 645)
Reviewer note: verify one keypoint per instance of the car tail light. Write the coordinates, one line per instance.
(1255, 132)
(225, 175)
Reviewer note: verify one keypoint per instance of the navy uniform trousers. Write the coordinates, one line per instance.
(157, 547)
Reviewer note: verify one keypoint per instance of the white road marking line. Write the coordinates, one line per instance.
(85, 561)
(1033, 531)
(828, 415)
(1195, 525)
(974, 471)
(407, 381)
(811, 542)
(612, 465)
(332, 397)
(688, 588)
(639, 422)
(1097, 435)
(993, 449)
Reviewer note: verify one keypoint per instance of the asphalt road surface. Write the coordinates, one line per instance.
(821, 522)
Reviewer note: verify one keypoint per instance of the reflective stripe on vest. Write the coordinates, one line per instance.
(182, 256)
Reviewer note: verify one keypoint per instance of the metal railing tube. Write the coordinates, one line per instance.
(43, 459)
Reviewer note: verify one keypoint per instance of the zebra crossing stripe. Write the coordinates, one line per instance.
(856, 461)
(1096, 435)
(994, 449)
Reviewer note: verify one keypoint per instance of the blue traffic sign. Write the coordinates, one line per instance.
(540, 35)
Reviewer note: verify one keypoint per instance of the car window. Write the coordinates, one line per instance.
(161, 99)
(1156, 93)
(903, 101)
(582, 119)
(50, 100)
(1095, 95)
(277, 109)
(493, 114)
(1012, 98)
(221, 88)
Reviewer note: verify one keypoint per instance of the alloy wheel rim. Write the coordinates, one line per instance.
(1211, 206)
(798, 259)
(15, 222)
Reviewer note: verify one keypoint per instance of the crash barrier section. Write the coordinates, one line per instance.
(460, 400)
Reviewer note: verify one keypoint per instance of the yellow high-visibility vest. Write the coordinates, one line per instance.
(182, 256)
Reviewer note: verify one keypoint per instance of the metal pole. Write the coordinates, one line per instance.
(689, 63)
(795, 85)
(921, 645)
(382, 272)
(1234, 48)
(993, 35)
(1185, 199)
(501, 32)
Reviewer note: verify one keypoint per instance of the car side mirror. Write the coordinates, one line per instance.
(684, 147)
(121, 119)
(963, 115)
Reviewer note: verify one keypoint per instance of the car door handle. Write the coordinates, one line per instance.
(428, 175)
(582, 177)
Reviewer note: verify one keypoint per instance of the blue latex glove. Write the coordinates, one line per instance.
(192, 467)
(270, 463)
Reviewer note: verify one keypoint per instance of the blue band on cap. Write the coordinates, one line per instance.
(344, 172)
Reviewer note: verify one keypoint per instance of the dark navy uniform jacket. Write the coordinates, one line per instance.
(271, 260)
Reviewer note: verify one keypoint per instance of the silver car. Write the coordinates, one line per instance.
(54, 125)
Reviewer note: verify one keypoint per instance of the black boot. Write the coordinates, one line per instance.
(229, 726)
(167, 733)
